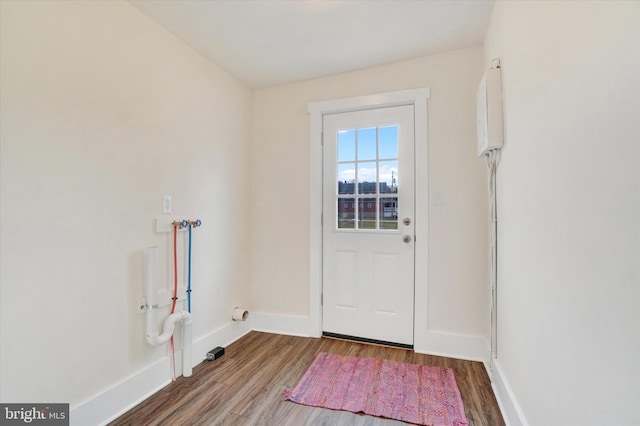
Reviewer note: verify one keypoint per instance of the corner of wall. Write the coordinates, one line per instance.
(471, 348)
(292, 325)
(507, 401)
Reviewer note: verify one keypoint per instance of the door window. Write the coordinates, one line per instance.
(367, 179)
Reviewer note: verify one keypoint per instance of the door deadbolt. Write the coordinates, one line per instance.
(406, 239)
(406, 221)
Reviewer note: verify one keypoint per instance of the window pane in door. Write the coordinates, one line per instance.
(388, 142)
(346, 178)
(367, 213)
(346, 213)
(389, 213)
(367, 144)
(346, 145)
(388, 175)
(367, 177)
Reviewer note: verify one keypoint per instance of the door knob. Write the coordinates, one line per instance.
(406, 239)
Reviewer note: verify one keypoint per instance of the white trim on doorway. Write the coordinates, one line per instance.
(418, 98)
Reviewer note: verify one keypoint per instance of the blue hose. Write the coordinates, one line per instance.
(189, 274)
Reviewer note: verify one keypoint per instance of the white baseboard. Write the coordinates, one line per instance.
(471, 348)
(292, 325)
(511, 411)
(100, 409)
(223, 336)
(121, 397)
(118, 399)
(475, 348)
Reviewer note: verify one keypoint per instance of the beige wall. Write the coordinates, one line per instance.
(569, 210)
(103, 112)
(458, 265)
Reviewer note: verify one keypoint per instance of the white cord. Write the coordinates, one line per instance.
(493, 158)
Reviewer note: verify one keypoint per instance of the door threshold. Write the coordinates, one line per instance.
(365, 340)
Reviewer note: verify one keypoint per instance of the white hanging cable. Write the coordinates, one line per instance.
(493, 157)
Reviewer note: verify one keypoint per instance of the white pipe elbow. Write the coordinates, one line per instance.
(168, 327)
(169, 324)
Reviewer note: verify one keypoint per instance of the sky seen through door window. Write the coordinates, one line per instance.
(357, 149)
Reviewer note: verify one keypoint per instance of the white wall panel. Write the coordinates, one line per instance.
(568, 209)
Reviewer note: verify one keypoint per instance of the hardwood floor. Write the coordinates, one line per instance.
(245, 386)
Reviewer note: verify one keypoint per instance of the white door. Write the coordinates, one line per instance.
(368, 224)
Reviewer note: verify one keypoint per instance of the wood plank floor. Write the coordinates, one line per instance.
(245, 386)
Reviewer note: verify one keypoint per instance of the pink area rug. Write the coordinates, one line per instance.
(411, 393)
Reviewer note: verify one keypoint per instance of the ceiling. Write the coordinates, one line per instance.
(268, 43)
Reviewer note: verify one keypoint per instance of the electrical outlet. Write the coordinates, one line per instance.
(142, 305)
(166, 204)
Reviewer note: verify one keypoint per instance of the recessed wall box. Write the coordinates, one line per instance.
(489, 112)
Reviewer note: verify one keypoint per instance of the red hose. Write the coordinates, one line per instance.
(175, 269)
(175, 295)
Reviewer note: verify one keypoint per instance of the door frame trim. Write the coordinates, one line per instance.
(418, 98)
